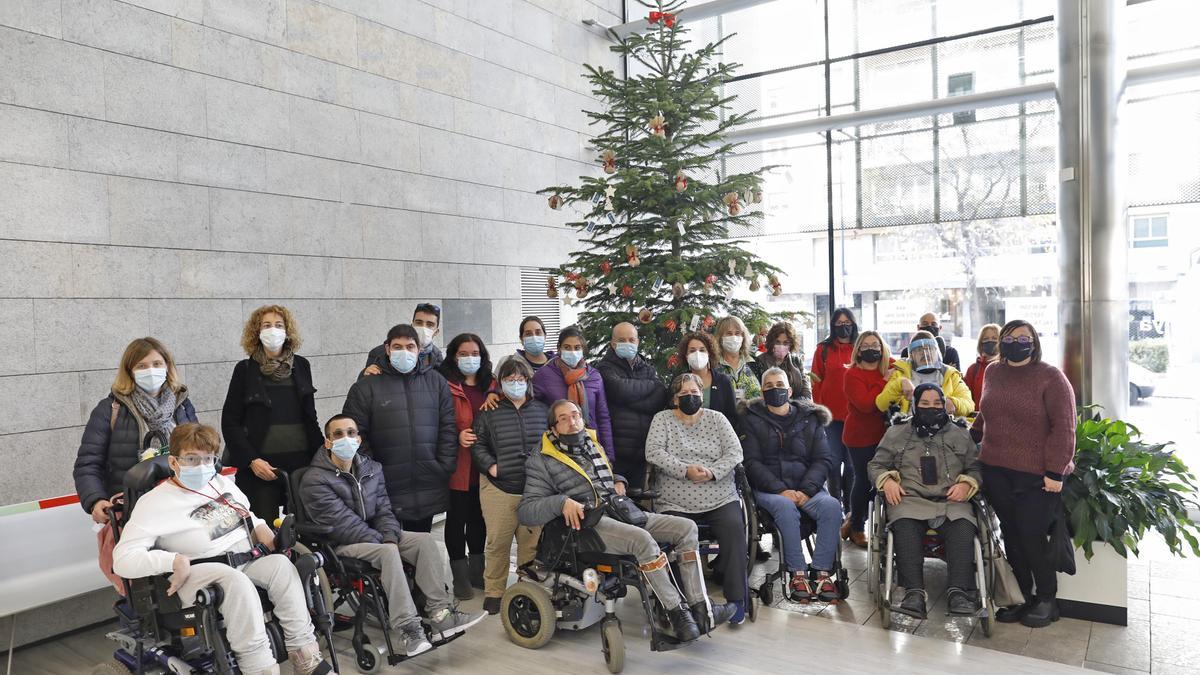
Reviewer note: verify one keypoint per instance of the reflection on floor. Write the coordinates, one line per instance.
(1161, 638)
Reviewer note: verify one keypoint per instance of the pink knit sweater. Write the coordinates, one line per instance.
(1027, 419)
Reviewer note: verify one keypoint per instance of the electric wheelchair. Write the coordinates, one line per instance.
(156, 634)
(573, 584)
(881, 559)
(355, 587)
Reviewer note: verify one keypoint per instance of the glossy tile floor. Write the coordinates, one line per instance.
(1163, 637)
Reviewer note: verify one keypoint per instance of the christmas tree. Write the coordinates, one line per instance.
(658, 251)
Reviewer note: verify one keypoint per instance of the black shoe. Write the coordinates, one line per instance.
(1012, 614)
(913, 604)
(762, 555)
(722, 612)
(960, 603)
(491, 605)
(1041, 614)
(683, 624)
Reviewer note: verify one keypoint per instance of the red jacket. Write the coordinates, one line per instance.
(830, 371)
(464, 475)
(974, 379)
(864, 424)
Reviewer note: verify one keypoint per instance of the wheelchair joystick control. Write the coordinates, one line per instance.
(591, 580)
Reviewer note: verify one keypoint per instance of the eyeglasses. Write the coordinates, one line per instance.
(197, 460)
(516, 379)
(1023, 339)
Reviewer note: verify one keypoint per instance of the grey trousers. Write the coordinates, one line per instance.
(417, 549)
(642, 544)
(243, 612)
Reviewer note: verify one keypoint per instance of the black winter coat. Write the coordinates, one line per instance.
(505, 437)
(407, 424)
(786, 453)
(355, 506)
(107, 449)
(246, 415)
(635, 395)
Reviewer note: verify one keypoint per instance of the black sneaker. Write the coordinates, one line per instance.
(683, 624)
(491, 605)
(1013, 614)
(960, 603)
(721, 613)
(1041, 614)
(913, 604)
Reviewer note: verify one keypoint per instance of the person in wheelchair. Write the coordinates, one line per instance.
(787, 460)
(345, 492)
(695, 452)
(571, 473)
(198, 527)
(928, 470)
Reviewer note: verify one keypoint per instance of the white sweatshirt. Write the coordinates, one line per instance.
(170, 520)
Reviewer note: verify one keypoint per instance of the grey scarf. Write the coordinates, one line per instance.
(157, 412)
(275, 369)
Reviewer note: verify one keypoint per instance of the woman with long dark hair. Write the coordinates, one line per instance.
(830, 361)
(468, 370)
(1026, 423)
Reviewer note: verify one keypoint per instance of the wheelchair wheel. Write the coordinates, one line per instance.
(528, 614)
(109, 668)
(613, 641)
(367, 659)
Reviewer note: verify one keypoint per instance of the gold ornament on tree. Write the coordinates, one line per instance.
(551, 287)
(556, 202)
(677, 290)
(632, 256)
(754, 285)
(731, 201)
(645, 316)
(609, 158)
(776, 287)
(658, 125)
(680, 181)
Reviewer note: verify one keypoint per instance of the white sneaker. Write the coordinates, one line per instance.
(447, 623)
(414, 638)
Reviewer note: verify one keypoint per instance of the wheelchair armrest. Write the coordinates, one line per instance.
(639, 494)
(313, 530)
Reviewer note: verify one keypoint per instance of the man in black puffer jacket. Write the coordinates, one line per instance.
(344, 492)
(787, 458)
(406, 418)
(635, 395)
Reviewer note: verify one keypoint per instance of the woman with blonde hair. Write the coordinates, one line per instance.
(269, 419)
(870, 367)
(733, 360)
(987, 348)
(145, 404)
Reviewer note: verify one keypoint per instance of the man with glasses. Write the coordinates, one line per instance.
(344, 491)
(406, 418)
(427, 320)
(198, 527)
(929, 323)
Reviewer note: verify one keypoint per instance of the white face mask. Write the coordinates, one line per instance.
(731, 343)
(698, 360)
(150, 380)
(424, 336)
(272, 338)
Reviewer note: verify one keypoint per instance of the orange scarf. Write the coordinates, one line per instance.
(576, 392)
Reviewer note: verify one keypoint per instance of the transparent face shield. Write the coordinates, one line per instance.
(925, 356)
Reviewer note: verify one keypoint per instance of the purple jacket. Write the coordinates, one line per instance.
(549, 386)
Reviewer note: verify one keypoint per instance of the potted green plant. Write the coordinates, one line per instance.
(1122, 487)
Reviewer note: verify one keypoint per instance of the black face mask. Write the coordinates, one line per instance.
(776, 397)
(1015, 351)
(575, 439)
(928, 421)
(870, 355)
(843, 331)
(990, 347)
(690, 404)
(932, 330)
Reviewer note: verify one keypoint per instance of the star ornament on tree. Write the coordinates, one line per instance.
(667, 121)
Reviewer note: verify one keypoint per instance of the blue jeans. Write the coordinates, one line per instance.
(822, 508)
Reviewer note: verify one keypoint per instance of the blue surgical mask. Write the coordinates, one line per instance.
(534, 344)
(626, 350)
(196, 477)
(515, 390)
(345, 447)
(468, 365)
(571, 357)
(403, 360)
(150, 380)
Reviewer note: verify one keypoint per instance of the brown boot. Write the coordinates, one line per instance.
(858, 539)
(844, 532)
